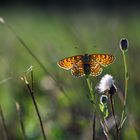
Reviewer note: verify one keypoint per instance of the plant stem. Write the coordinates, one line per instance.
(37, 110)
(126, 78)
(20, 120)
(31, 91)
(94, 125)
(92, 98)
(113, 114)
(126, 87)
(4, 125)
(105, 129)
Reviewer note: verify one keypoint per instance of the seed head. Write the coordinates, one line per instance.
(124, 44)
(107, 85)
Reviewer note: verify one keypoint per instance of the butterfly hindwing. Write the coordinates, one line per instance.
(77, 69)
(95, 68)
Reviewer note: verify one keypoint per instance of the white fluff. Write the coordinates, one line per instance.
(105, 83)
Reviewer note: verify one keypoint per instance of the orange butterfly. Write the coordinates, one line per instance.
(82, 65)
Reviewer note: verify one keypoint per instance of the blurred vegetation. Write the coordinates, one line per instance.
(62, 99)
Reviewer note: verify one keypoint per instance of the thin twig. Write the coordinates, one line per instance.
(31, 91)
(105, 130)
(4, 125)
(37, 111)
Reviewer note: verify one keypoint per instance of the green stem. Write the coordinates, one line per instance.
(92, 98)
(126, 87)
(126, 78)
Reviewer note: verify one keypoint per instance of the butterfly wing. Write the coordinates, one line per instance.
(95, 68)
(77, 70)
(102, 59)
(67, 63)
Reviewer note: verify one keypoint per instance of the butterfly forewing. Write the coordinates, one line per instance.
(67, 63)
(102, 59)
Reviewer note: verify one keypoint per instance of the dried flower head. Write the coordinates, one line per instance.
(107, 85)
(124, 44)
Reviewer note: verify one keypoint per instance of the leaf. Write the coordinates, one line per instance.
(104, 110)
(101, 107)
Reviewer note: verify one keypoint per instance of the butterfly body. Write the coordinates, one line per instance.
(81, 65)
(86, 64)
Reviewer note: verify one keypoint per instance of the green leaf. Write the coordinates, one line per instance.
(104, 109)
(101, 107)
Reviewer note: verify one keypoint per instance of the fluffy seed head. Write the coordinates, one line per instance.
(107, 85)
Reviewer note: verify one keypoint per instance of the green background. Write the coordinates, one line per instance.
(53, 35)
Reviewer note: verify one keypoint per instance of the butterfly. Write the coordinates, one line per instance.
(84, 65)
